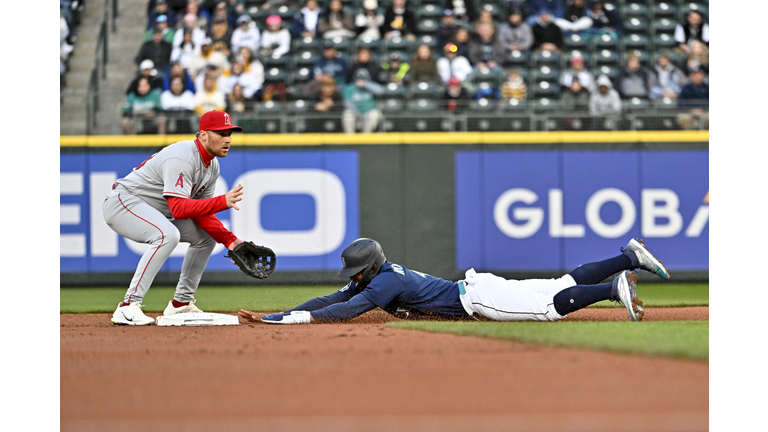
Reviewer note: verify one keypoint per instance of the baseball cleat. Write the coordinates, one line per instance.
(625, 291)
(171, 310)
(131, 315)
(645, 259)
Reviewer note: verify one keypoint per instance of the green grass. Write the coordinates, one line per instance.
(278, 298)
(680, 339)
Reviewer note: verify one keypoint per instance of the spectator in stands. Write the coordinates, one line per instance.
(65, 49)
(237, 103)
(399, 21)
(698, 59)
(605, 102)
(222, 10)
(694, 97)
(275, 4)
(250, 84)
(216, 74)
(360, 104)
(670, 78)
(250, 64)
(275, 40)
(369, 21)
(334, 22)
(189, 25)
(578, 71)
(485, 17)
(451, 64)
(143, 104)
(146, 70)
(396, 70)
(221, 35)
(462, 40)
(605, 18)
(209, 97)
(306, 19)
(177, 71)
(487, 51)
(202, 16)
(424, 66)
(692, 30)
(635, 80)
(330, 64)
(455, 98)
(161, 8)
(177, 6)
(207, 57)
(328, 99)
(245, 35)
(177, 99)
(514, 87)
(157, 50)
(448, 27)
(515, 34)
(363, 60)
(575, 97)
(161, 23)
(555, 8)
(186, 51)
(462, 10)
(546, 35)
(576, 17)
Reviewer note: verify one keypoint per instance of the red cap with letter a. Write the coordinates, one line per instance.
(217, 121)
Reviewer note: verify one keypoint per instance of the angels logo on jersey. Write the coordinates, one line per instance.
(227, 120)
(180, 181)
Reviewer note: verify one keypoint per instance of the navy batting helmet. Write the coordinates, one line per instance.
(364, 255)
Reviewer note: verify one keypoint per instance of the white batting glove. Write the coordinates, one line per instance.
(295, 317)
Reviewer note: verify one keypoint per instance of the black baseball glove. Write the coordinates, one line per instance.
(255, 261)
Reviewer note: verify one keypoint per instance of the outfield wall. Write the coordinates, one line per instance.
(520, 205)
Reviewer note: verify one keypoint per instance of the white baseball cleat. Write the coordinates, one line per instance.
(646, 260)
(171, 310)
(624, 290)
(131, 315)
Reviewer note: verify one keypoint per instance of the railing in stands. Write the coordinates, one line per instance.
(99, 72)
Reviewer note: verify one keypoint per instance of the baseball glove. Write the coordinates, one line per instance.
(253, 260)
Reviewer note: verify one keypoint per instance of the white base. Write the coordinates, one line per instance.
(197, 319)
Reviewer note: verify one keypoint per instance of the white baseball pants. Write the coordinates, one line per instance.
(492, 297)
(133, 218)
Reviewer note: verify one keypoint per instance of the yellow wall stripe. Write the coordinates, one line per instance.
(397, 138)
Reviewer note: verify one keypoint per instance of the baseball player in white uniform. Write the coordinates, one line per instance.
(169, 199)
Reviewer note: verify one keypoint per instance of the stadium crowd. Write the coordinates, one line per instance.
(344, 58)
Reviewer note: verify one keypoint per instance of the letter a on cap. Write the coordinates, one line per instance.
(227, 120)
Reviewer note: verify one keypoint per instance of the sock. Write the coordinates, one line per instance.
(177, 304)
(596, 272)
(124, 304)
(580, 296)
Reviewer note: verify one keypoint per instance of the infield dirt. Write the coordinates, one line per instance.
(362, 376)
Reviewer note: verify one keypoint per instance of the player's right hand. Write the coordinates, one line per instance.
(295, 317)
(234, 196)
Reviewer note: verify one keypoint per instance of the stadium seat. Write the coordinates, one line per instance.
(645, 57)
(301, 75)
(372, 44)
(343, 45)
(427, 26)
(281, 62)
(575, 42)
(665, 103)
(268, 119)
(424, 89)
(305, 44)
(420, 121)
(513, 105)
(305, 59)
(636, 42)
(393, 91)
(689, 6)
(546, 73)
(635, 10)
(517, 58)
(428, 40)
(607, 57)
(664, 10)
(636, 104)
(664, 41)
(605, 41)
(664, 25)
(635, 25)
(485, 75)
(545, 58)
(402, 45)
(428, 11)
(546, 89)
(392, 105)
(607, 70)
(586, 55)
(497, 11)
(542, 105)
(298, 106)
(275, 75)
(483, 104)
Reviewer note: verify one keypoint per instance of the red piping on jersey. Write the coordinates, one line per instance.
(204, 155)
(162, 239)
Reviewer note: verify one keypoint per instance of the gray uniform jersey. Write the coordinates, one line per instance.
(176, 170)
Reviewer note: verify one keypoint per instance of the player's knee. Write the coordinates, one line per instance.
(169, 237)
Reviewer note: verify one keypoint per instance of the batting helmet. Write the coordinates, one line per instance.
(364, 255)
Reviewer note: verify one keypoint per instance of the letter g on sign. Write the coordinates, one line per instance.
(533, 217)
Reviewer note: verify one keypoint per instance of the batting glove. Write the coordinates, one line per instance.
(295, 317)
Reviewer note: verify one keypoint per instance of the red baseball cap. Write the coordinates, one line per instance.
(454, 81)
(217, 121)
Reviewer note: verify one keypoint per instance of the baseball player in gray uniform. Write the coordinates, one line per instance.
(169, 199)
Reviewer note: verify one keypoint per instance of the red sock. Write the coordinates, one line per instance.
(124, 304)
(179, 304)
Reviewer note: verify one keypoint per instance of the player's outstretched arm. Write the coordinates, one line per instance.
(338, 312)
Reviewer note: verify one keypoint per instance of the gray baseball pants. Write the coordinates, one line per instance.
(133, 218)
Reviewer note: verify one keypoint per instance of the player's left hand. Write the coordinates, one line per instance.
(295, 317)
